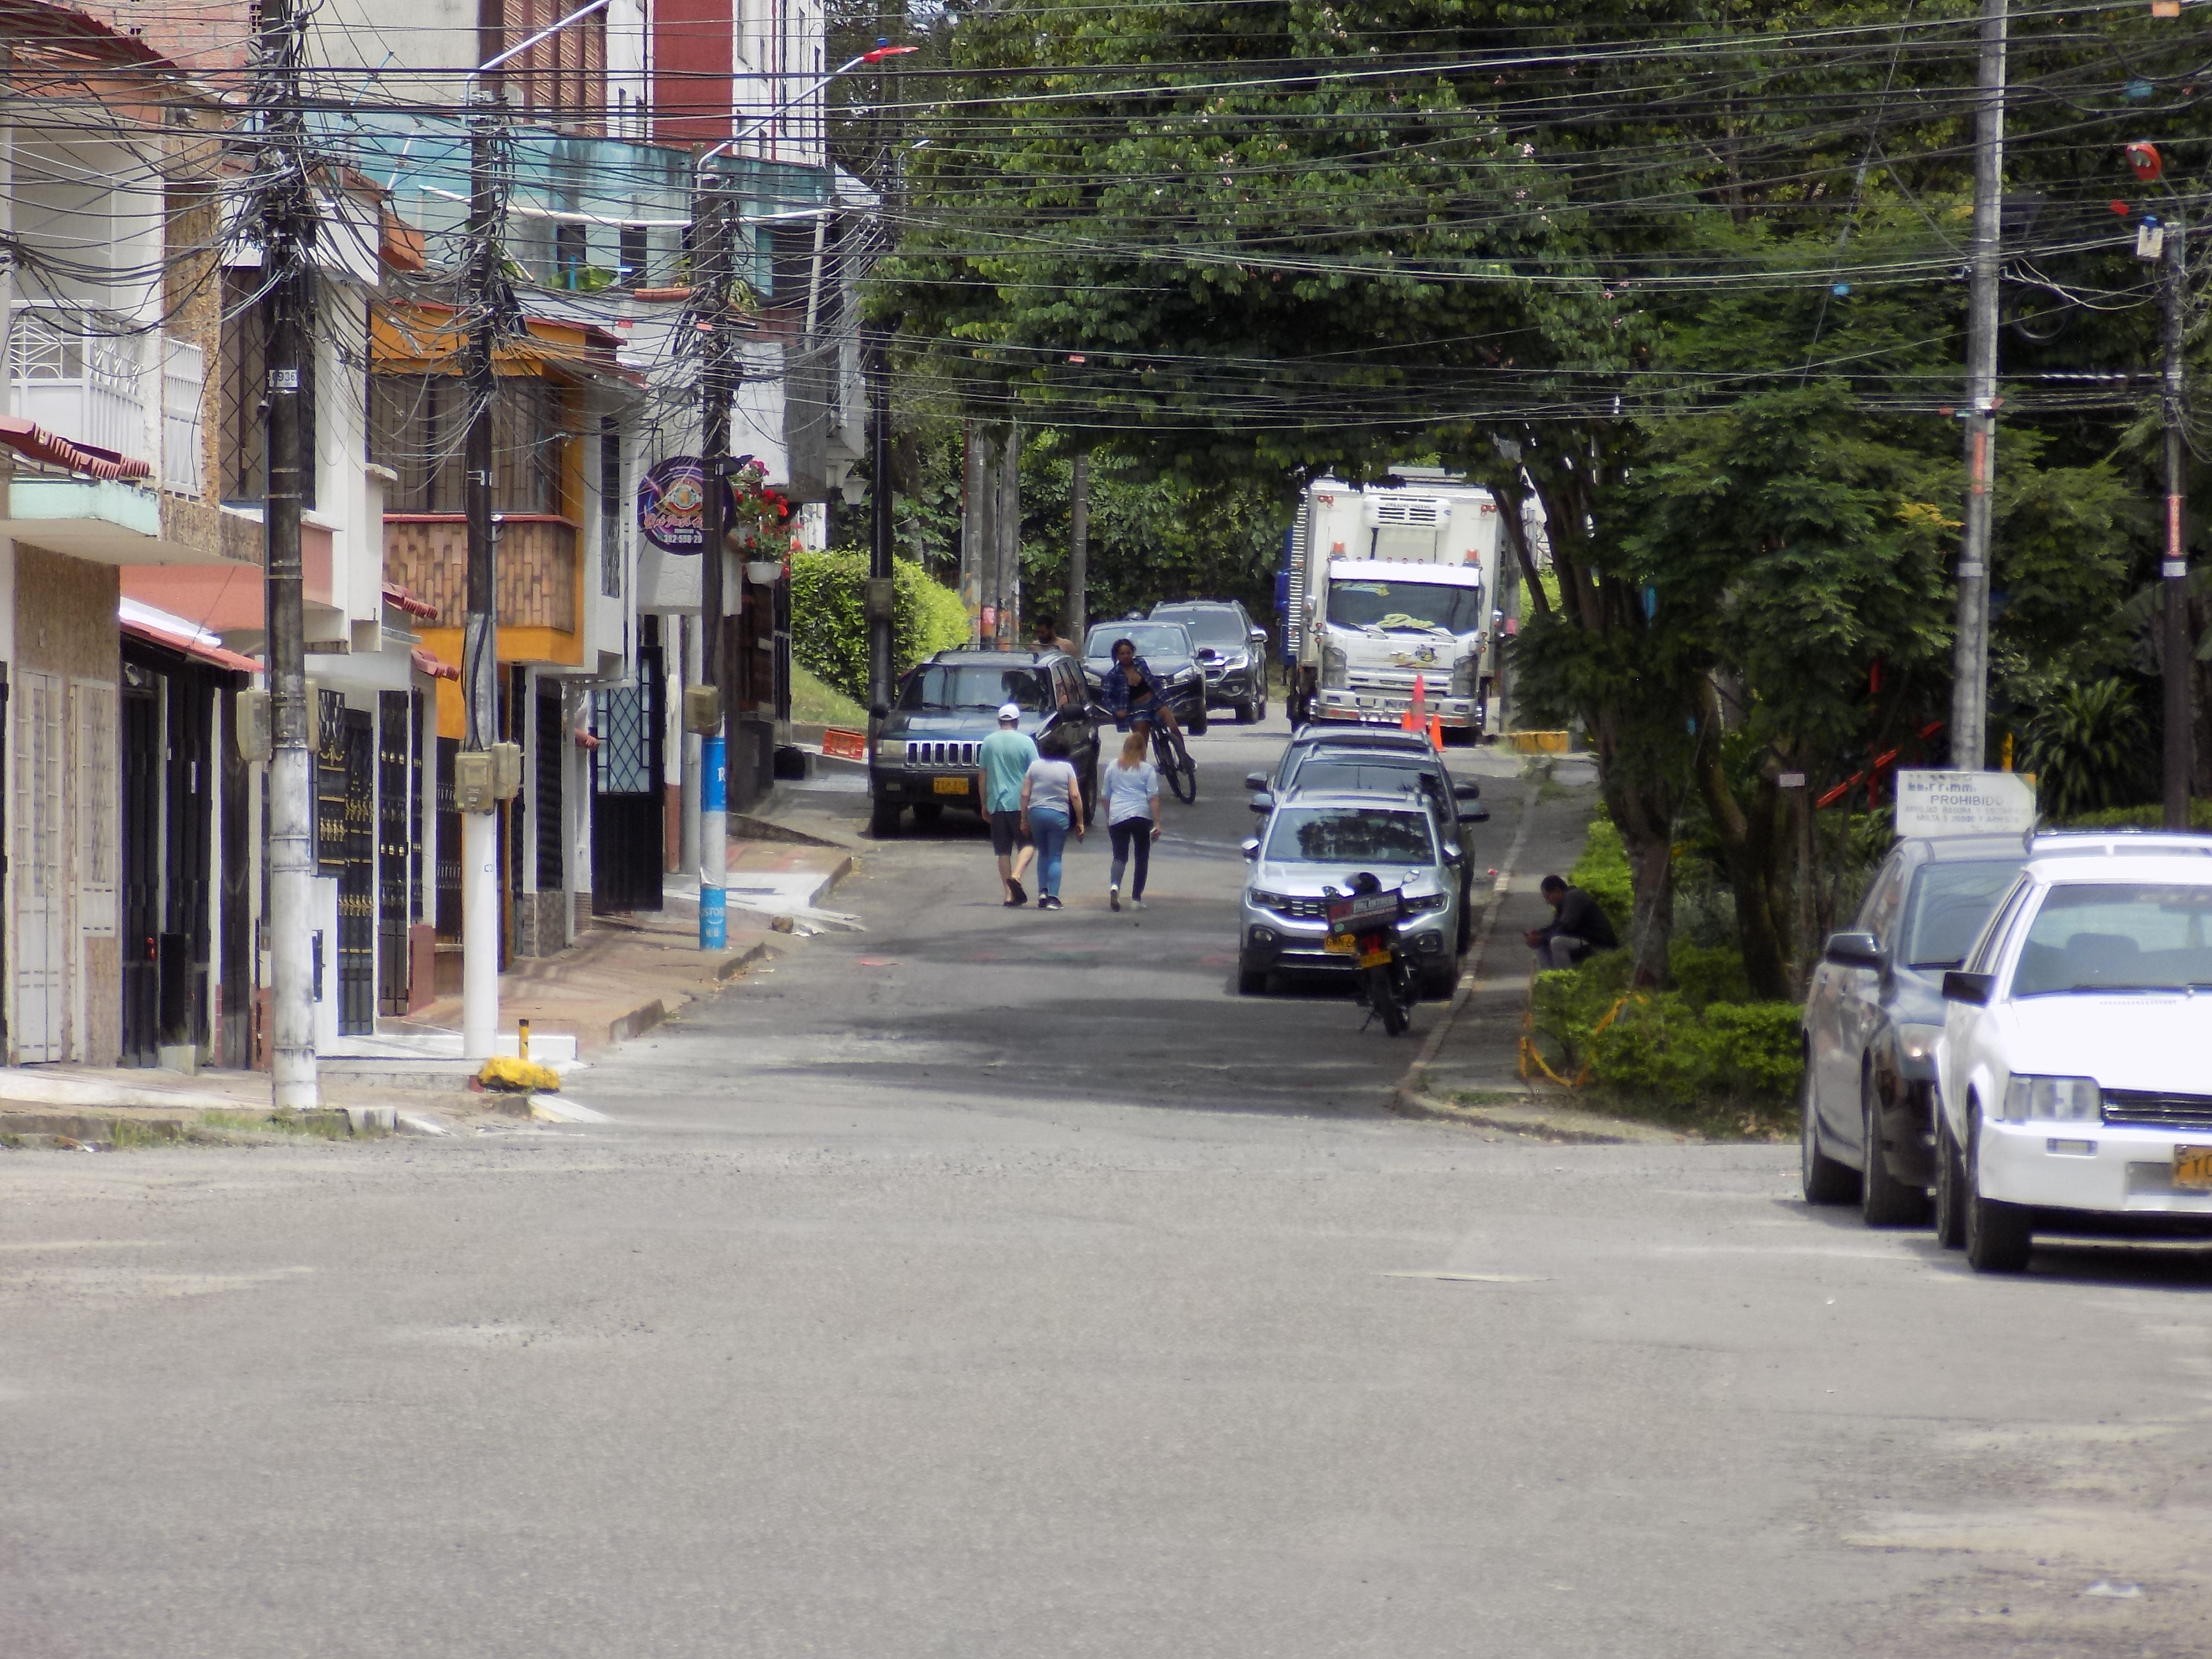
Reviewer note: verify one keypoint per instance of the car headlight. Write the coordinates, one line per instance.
(1425, 901)
(1268, 901)
(2060, 1099)
(891, 748)
(1241, 660)
(1917, 1042)
(1189, 673)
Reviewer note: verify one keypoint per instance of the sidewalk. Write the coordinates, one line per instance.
(1473, 1048)
(622, 976)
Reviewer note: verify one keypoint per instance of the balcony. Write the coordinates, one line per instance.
(428, 554)
(87, 388)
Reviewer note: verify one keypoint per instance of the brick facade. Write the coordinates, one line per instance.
(428, 556)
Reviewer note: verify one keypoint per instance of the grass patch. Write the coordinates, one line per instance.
(127, 1135)
(816, 702)
(327, 1126)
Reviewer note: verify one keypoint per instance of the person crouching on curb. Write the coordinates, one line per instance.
(1005, 756)
(1579, 926)
(1052, 804)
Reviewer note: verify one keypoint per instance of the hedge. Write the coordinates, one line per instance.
(2152, 816)
(1602, 872)
(828, 621)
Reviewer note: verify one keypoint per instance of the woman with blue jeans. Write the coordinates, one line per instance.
(1052, 804)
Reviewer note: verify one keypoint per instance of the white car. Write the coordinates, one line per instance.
(2075, 1070)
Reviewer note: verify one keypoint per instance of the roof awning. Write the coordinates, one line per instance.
(29, 438)
(144, 622)
(400, 600)
(426, 664)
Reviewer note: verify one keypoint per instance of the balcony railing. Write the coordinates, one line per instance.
(89, 388)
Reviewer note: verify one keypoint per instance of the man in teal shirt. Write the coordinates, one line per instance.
(1006, 754)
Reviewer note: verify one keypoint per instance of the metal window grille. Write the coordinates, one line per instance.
(331, 785)
(97, 771)
(242, 432)
(184, 379)
(611, 508)
(622, 764)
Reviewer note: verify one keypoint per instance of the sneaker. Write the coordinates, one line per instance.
(1049, 902)
(1136, 904)
(1113, 898)
(1019, 895)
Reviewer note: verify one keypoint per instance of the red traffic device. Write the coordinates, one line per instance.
(2143, 157)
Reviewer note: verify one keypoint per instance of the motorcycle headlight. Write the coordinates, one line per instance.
(1917, 1042)
(2059, 1099)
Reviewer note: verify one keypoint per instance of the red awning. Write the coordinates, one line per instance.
(400, 600)
(426, 664)
(29, 438)
(154, 635)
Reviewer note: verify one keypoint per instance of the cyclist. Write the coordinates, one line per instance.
(1133, 692)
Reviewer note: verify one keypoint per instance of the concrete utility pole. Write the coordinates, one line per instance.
(882, 588)
(1970, 688)
(2174, 568)
(287, 229)
(979, 535)
(1078, 544)
(1007, 521)
(710, 285)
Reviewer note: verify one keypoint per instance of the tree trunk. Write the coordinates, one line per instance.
(1749, 842)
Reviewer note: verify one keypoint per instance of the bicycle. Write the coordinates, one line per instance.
(1173, 758)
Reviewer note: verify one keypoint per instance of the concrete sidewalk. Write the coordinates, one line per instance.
(1473, 1049)
(623, 975)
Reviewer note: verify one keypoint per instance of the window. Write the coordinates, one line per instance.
(418, 427)
(632, 255)
(971, 686)
(563, 78)
(1950, 902)
(570, 247)
(1337, 834)
(1405, 607)
(243, 441)
(2116, 936)
(611, 508)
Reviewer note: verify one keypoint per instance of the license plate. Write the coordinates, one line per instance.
(950, 786)
(1375, 959)
(1340, 945)
(2193, 1167)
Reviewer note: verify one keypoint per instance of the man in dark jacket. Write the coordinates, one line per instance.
(1578, 927)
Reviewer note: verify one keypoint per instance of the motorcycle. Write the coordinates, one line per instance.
(1364, 924)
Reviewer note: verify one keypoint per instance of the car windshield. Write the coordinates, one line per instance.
(1950, 902)
(2117, 936)
(1346, 834)
(971, 685)
(1151, 639)
(1215, 625)
(1405, 607)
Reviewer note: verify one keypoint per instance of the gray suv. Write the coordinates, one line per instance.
(925, 756)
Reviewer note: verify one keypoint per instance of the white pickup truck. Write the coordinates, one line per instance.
(1386, 584)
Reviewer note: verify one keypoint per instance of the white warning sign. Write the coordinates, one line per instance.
(1965, 804)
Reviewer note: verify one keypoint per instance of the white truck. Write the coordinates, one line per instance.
(1386, 584)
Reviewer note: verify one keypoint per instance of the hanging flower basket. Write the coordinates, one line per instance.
(761, 517)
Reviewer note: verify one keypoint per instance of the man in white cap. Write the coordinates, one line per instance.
(1006, 755)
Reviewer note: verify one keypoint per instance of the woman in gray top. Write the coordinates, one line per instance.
(1052, 804)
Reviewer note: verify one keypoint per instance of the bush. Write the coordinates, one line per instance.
(1704, 1044)
(828, 621)
(1602, 872)
(2139, 817)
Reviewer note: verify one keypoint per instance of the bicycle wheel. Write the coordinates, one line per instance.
(1176, 764)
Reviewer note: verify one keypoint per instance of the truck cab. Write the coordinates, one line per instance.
(1388, 594)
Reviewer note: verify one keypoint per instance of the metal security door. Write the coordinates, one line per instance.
(356, 880)
(393, 718)
(629, 821)
(41, 870)
(142, 870)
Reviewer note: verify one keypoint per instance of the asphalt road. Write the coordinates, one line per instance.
(1001, 1283)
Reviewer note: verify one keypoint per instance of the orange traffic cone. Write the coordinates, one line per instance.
(1412, 719)
(1436, 733)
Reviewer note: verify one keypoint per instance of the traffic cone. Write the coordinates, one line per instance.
(1436, 733)
(1411, 720)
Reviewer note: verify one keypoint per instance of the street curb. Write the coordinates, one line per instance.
(1581, 1128)
(97, 1128)
(647, 1015)
(744, 826)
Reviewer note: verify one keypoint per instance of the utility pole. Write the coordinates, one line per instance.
(882, 589)
(1078, 544)
(2174, 568)
(287, 229)
(710, 285)
(1970, 689)
(480, 628)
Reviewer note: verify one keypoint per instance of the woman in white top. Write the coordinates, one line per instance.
(1132, 788)
(1052, 804)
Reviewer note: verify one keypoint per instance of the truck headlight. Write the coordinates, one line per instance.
(1464, 676)
(2059, 1099)
(1335, 664)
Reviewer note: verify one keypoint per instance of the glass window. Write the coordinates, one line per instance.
(973, 685)
(1217, 625)
(1151, 639)
(2117, 936)
(1879, 908)
(1950, 903)
(1405, 607)
(1336, 835)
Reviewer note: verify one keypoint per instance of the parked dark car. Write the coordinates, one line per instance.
(1384, 771)
(1168, 652)
(926, 756)
(1232, 653)
(1872, 1017)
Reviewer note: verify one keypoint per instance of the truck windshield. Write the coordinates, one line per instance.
(1405, 607)
(970, 686)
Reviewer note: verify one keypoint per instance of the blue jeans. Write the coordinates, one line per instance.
(1048, 834)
